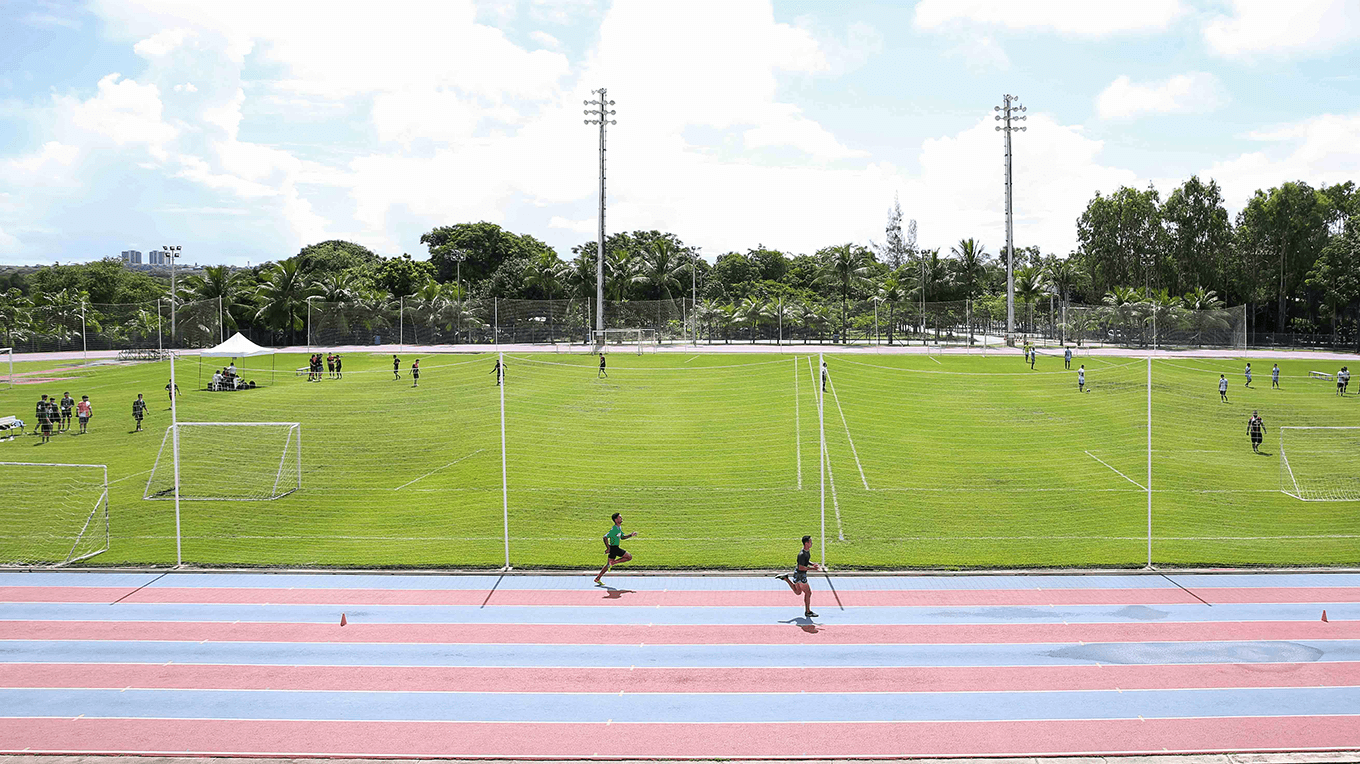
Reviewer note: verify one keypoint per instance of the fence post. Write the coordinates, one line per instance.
(84, 343)
(160, 348)
(496, 322)
(401, 324)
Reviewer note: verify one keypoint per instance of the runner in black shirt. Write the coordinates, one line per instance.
(339, 367)
(415, 373)
(798, 581)
(68, 405)
(44, 427)
(396, 367)
(138, 411)
(602, 371)
(499, 371)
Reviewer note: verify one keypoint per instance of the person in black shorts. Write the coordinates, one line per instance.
(798, 580)
(617, 554)
(415, 373)
(602, 372)
(1256, 428)
(396, 367)
(499, 371)
(138, 411)
(68, 405)
(339, 372)
(330, 365)
(44, 414)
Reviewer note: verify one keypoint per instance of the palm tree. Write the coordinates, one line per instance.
(1065, 277)
(337, 286)
(58, 313)
(16, 317)
(1121, 304)
(1204, 306)
(619, 268)
(970, 265)
(282, 297)
(751, 310)
(781, 312)
(218, 282)
(928, 276)
(1029, 287)
(847, 267)
(545, 272)
(891, 292)
(660, 266)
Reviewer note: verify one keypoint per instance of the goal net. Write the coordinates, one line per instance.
(53, 514)
(228, 461)
(641, 340)
(1320, 463)
(6, 368)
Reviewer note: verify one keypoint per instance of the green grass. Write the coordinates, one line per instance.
(969, 462)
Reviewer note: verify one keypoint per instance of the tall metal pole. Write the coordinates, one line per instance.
(505, 481)
(174, 440)
(84, 343)
(1149, 461)
(1011, 111)
(172, 252)
(694, 295)
(601, 114)
(821, 436)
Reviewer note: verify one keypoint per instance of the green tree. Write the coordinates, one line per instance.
(282, 297)
(1336, 273)
(659, 268)
(336, 256)
(891, 292)
(480, 247)
(401, 276)
(1198, 234)
(847, 268)
(969, 265)
(1280, 234)
(1122, 240)
(217, 282)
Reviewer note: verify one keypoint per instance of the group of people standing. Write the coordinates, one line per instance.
(334, 367)
(55, 416)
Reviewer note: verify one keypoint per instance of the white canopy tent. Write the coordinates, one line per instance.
(237, 346)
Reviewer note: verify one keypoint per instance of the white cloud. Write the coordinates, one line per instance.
(124, 111)
(1195, 92)
(1310, 27)
(1080, 17)
(187, 87)
(1320, 150)
(161, 43)
(579, 226)
(546, 40)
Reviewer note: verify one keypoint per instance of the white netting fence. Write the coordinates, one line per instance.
(228, 461)
(52, 514)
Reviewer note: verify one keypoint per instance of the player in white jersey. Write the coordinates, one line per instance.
(1222, 388)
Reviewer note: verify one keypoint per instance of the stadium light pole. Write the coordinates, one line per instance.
(601, 116)
(1010, 111)
(173, 254)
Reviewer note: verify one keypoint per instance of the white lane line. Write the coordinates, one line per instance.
(691, 358)
(797, 423)
(431, 472)
(933, 358)
(853, 450)
(1117, 472)
(835, 503)
(133, 475)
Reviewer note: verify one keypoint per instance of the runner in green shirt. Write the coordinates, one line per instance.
(617, 554)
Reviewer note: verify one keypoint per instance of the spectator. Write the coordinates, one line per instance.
(216, 383)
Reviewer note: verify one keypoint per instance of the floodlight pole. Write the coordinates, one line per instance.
(1011, 111)
(172, 252)
(174, 439)
(1149, 462)
(821, 430)
(601, 116)
(505, 481)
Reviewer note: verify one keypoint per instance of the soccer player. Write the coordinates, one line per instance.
(1067, 358)
(1248, 373)
(1033, 355)
(1256, 428)
(1275, 377)
(1222, 388)
(825, 375)
(169, 392)
(798, 581)
(68, 405)
(83, 413)
(602, 372)
(617, 554)
(396, 367)
(1081, 379)
(44, 427)
(1345, 378)
(339, 367)
(138, 411)
(499, 371)
(415, 373)
(330, 365)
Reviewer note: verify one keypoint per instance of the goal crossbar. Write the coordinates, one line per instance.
(197, 474)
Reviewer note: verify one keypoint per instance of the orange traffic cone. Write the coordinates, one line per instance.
(343, 621)
(1324, 617)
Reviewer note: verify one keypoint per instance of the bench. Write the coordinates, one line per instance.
(140, 354)
(1320, 375)
(8, 425)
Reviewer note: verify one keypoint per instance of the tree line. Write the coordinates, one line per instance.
(1292, 255)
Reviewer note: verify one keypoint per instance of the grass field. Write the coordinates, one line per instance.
(952, 461)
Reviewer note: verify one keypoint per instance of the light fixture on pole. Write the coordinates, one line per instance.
(600, 114)
(172, 253)
(1010, 111)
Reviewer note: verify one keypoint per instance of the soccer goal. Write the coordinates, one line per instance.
(1320, 463)
(228, 461)
(6, 368)
(53, 514)
(643, 340)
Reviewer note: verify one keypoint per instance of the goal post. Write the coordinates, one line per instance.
(53, 514)
(619, 339)
(228, 461)
(1320, 463)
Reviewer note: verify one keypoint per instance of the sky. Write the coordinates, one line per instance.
(245, 130)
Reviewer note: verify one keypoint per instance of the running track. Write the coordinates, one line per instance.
(550, 666)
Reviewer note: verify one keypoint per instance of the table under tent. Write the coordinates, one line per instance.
(237, 346)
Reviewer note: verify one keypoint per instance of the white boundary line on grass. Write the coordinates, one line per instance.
(797, 424)
(1117, 472)
(446, 466)
(729, 538)
(853, 450)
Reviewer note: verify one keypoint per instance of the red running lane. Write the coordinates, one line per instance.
(776, 596)
(660, 634)
(779, 740)
(710, 680)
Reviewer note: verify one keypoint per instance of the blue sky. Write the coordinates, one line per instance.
(245, 130)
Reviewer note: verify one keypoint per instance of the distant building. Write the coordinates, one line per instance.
(157, 257)
(132, 257)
